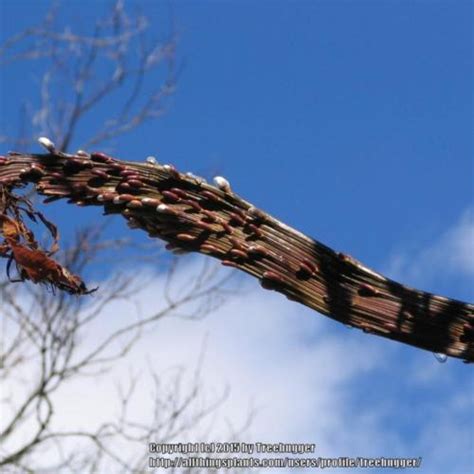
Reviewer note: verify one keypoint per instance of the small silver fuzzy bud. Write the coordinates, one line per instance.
(47, 143)
(222, 184)
(162, 208)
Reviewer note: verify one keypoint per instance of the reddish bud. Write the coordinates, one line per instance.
(209, 248)
(170, 196)
(186, 237)
(236, 253)
(101, 157)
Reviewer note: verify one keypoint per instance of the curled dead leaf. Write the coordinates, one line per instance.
(20, 247)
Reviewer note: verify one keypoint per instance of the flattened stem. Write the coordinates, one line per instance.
(191, 215)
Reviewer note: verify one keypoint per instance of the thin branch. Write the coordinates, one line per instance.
(82, 70)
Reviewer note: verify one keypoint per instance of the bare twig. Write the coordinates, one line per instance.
(48, 339)
(82, 70)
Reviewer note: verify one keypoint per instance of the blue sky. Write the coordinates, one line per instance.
(351, 121)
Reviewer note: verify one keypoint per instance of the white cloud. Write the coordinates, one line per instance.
(451, 253)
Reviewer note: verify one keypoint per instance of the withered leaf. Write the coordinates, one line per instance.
(35, 265)
(20, 247)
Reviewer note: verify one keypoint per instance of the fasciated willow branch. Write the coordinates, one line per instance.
(191, 215)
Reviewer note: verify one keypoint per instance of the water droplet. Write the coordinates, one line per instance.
(151, 160)
(441, 358)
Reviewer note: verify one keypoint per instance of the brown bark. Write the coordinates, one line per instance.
(192, 215)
